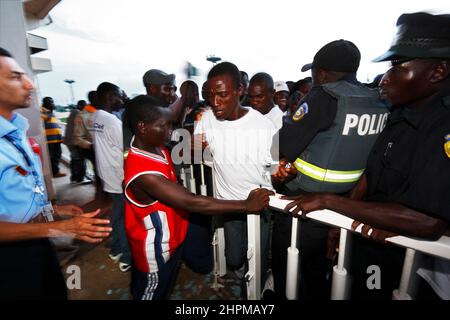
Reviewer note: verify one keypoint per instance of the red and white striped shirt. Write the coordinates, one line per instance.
(154, 230)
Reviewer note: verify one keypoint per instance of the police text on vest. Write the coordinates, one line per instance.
(366, 124)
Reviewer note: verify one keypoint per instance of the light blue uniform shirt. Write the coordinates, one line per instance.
(22, 193)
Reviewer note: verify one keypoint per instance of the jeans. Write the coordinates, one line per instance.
(236, 241)
(77, 164)
(119, 237)
(198, 252)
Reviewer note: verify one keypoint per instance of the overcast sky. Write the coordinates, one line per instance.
(91, 41)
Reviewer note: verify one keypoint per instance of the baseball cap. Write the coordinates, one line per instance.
(339, 55)
(280, 86)
(157, 77)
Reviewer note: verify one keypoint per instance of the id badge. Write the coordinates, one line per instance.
(47, 212)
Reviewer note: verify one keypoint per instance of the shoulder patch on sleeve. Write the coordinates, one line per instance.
(447, 144)
(301, 112)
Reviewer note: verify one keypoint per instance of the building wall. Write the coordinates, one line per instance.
(13, 38)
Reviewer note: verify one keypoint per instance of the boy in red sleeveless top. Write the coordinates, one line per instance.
(155, 218)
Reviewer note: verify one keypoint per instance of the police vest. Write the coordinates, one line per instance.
(336, 158)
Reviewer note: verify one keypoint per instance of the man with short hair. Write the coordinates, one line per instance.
(244, 99)
(156, 204)
(53, 135)
(108, 147)
(404, 189)
(327, 142)
(82, 133)
(29, 268)
(260, 92)
(161, 86)
(239, 139)
(77, 162)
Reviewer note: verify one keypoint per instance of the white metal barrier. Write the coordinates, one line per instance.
(253, 276)
(340, 283)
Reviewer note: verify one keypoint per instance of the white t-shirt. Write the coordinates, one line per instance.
(436, 271)
(241, 152)
(108, 148)
(276, 116)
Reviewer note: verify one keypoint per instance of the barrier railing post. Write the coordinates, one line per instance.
(192, 185)
(183, 177)
(293, 259)
(407, 288)
(341, 280)
(203, 190)
(253, 276)
(218, 243)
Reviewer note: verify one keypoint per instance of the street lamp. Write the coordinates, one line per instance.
(212, 58)
(71, 82)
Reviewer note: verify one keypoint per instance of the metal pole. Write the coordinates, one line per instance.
(293, 258)
(253, 276)
(407, 287)
(340, 284)
(192, 185)
(72, 94)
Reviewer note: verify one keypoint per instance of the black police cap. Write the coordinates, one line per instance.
(339, 55)
(420, 35)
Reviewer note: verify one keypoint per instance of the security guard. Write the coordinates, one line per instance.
(29, 268)
(405, 187)
(327, 139)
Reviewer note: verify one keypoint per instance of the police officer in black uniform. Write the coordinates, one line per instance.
(405, 187)
(327, 140)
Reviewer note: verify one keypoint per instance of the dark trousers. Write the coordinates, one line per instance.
(54, 150)
(389, 260)
(119, 236)
(157, 285)
(198, 252)
(30, 270)
(315, 268)
(77, 164)
(236, 240)
(90, 155)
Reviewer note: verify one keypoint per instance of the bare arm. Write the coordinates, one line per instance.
(83, 227)
(177, 108)
(174, 195)
(360, 190)
(392, 217)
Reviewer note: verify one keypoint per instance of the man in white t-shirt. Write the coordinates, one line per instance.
(239, 139)
(108, 148)
(261, 92)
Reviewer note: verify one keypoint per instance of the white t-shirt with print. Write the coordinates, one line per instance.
(108, 148)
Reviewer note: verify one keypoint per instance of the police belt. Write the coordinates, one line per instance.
(327, 175)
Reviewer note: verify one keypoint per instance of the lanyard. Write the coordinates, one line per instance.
(39, 188)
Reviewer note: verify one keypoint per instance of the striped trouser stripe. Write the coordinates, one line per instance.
(152, 284)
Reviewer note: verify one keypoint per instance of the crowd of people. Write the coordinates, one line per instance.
(378, 153)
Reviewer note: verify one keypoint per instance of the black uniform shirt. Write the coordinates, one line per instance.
(408, 163)
(295, 135)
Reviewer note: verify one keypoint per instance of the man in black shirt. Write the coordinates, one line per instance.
(405, 187)
(327, 140)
